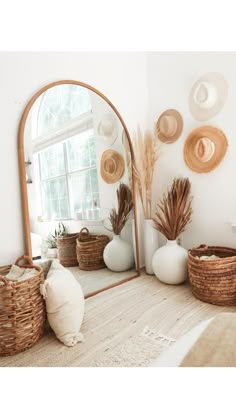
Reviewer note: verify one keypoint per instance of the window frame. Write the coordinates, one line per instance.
(81, 125)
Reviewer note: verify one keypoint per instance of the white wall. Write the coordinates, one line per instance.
(170, 78)
(119, 76)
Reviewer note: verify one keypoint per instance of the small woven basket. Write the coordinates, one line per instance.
(66, 246)
(213, 281)
(22, 310)
(90, 250)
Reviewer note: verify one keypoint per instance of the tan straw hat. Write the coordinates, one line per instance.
(205, 148)
(207, 96)
(107, 129)
(169, 126)
(112, 166)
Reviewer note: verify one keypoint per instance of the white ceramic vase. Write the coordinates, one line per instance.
(169, 263)
(52, 253)
(150, 244)
(118, 255)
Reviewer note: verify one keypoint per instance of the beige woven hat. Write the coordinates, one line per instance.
(204, 148)
(112, 166)
(107, 129)
(169, 126)
(207, 96)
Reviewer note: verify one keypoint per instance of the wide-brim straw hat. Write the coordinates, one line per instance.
(112, 166)
(204, 148)
(107, 129)
(207, 96)
(169, 126)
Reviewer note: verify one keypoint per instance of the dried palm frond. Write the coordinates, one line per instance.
(174, 211)
(146, 152)
(119, 217)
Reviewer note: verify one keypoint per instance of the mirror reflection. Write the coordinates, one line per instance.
(78, 174)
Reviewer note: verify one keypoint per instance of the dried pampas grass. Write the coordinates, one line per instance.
(146, 151)
(119, 217)
(174, 210)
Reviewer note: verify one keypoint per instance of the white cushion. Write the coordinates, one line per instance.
(64, 303)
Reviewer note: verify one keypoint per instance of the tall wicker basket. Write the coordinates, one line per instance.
(22, 310)
(66, 246)
(213, 281)
(90, 250)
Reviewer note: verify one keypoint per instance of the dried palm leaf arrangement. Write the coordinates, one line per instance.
(146, 151)
(174, 210)
(119, 217)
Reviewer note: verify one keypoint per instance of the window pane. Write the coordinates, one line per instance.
(52, 161)
(81, 151)
(83, 192)
(60, 104)
(94, 180)
(54, 198)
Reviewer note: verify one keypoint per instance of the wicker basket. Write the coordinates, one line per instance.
(66, 246)
(22, 310)
(90, 250)
(213, 281)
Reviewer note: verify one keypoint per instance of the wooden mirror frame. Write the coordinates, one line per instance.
(23, 185)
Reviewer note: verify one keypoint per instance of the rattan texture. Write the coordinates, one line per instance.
(66, 246)
(213, 281)
(90, 250)
(22, 310)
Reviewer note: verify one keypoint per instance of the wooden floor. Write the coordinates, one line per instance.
(114, 324)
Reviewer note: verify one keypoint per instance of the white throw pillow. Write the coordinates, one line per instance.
(64, 303)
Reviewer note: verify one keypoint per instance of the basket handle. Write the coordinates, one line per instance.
(202, 246)
(5, 281)
(84, 229)
(26, 258)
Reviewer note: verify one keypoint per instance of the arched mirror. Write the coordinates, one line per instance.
(75, 155)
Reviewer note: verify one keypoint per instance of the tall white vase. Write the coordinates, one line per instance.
(118, 255)
(150, 244)
(169, 263)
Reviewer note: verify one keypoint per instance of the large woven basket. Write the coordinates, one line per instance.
(22, 310)
(90, 250)
(66, 246)
(213, 281)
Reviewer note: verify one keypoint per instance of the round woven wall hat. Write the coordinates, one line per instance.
(207, 96)
(169, 126)
(112, 166)
(204, 148)
(107, 129)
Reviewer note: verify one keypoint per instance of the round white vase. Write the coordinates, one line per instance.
(169, 263)
(150, 244)
(118, 255)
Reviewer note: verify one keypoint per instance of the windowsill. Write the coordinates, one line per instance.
(90, 222)
(85, 221)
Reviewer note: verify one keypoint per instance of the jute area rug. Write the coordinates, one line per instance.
(127, 326)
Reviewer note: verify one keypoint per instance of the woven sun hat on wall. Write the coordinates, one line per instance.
(169, 126)
(207, 96)
(107, 129)
(112, 166)
(204, 148)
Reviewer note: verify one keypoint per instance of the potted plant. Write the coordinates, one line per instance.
(118, 254)
(51, 240)
(173, 213)
(147, 151)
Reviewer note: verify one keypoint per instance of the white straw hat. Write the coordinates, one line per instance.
(107, 129)
(207, 96)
